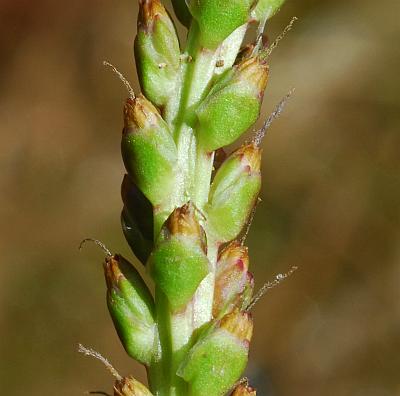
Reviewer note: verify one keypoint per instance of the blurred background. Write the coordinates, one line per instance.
(331, 198)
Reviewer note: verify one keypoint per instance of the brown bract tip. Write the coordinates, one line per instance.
(254, 70)
(112, 271)
(183, 221)
(250, 155)
(239, 324)
(129, 386)
(139, 113)
(149, 11)
(235, 253)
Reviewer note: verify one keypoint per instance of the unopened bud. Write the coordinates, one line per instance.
(148, 150)
(129, 386)
(131, 307)
(233, 104)
(233, 193)
(156, 44)
(230, 278)
(179, 263)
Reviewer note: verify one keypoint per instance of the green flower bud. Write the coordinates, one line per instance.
(137, 220)
(233, 104)
(157, 52)
(244, 390)
(182, 12)
(148, 150)
(179, 262)
(265, 9)
(131, 307)
(233, 193)
(218, 19)
(230, 278)
(217, 360)
(129, 386)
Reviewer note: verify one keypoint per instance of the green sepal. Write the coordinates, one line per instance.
(233, 193)
(177, 266)
(148, 150)
(131, 307)
(157, 52)
(265, 9)
(232, 105)
(218, 19)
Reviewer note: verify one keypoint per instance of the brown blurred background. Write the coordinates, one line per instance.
(331, 198)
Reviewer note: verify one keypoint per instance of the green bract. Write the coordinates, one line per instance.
(148, 150)
(131, 307)
(157, 53)
(179, 262)
(217, 360)
(184, 199)
(218, 19)
(233, 104)
(265, 9)
(233, 193)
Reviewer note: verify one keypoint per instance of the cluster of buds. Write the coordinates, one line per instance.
(185, 209)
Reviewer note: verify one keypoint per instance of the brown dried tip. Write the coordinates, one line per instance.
(244, 390)
(237, 254)
(112, 271)
(231, 277)
(250, 155)
(128, 386)
(255, 71)
(149, 10)
(239, 324)
(140, 113)
(183, 221)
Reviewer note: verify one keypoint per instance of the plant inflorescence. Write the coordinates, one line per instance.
(186, 202)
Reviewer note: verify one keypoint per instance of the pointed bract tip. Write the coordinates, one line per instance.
(236, 253)
(112, 271)
(254, 70)
(239, 324)
(129, 386)
(139, 113)
(250, 155)
(149, 10)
